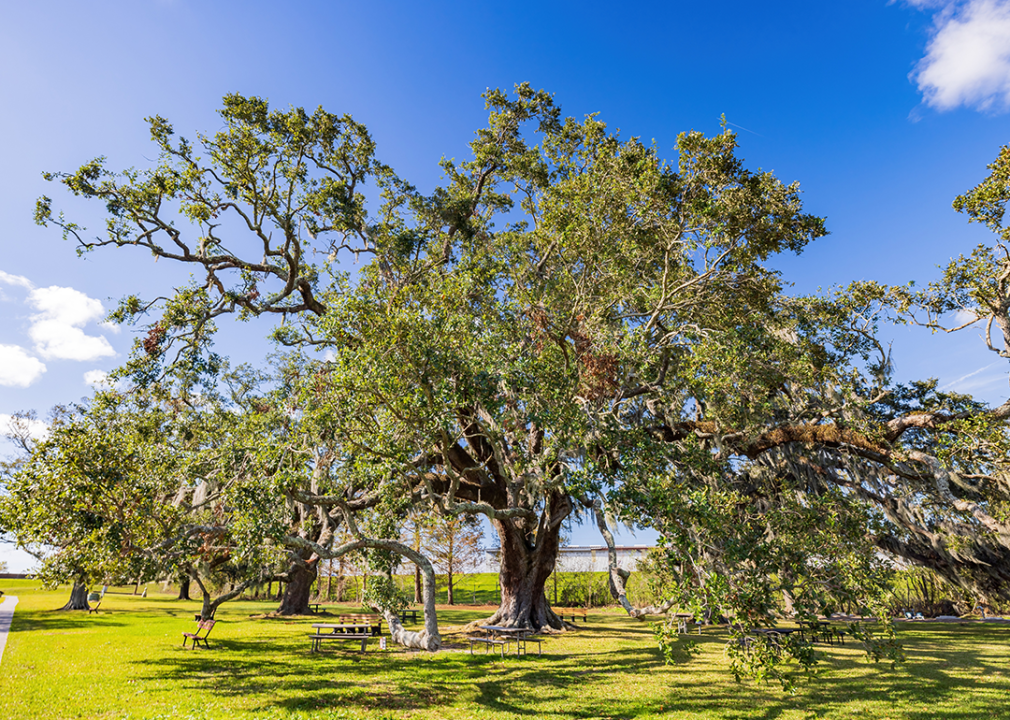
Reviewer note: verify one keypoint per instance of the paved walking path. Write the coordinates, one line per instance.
(6, 615)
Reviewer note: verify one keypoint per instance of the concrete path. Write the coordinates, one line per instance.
(6, 615)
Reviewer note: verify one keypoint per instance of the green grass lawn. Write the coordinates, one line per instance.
(127, 662)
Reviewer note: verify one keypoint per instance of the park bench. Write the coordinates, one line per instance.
(205, 626)
(571, 612)
(373, 622)
(405, 613)
(94, 598)
(341, 631)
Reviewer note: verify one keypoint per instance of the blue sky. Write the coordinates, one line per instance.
(883, 112)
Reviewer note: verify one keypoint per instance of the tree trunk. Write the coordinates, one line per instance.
(184, 588)
(298, 590)
(527, 561)
(417, 584)
(449, 591)
(208, 608)
(78, 597)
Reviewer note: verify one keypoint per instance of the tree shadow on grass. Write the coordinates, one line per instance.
(284, 675)
(43, 621)
(938, 678)
(279, 673)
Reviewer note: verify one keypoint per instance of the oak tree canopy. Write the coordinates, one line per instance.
(569, 324)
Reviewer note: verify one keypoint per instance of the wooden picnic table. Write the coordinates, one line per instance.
(341, 631)
(822, 630)
(682, 620)
(405, 613)
(500, 636)
(776, 631)
(771, 634)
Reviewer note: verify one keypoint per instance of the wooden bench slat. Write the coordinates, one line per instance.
(561, 612)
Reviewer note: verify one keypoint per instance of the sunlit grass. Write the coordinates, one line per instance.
(127, 662)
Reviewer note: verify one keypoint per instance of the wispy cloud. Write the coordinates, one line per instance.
(18, 368)
(56, 328)
(962, 317)
(967, 61)
(17, 280)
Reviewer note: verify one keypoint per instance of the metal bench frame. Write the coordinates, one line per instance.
(206, 626)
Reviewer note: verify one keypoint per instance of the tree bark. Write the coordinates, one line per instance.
(417, 584)
(78, 596)
(449, 597)
(298, 590)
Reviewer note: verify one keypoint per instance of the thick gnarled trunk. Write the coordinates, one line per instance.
(527, 561)
(298, 590)
(78, 597)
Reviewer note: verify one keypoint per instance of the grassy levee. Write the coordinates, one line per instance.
(127, 662)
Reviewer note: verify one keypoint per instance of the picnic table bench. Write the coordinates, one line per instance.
(405, 613)
(204, 626)
(500, 637)
(341, 631)
(572, 612)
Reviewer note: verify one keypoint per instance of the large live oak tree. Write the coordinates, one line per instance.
(482, 355)
(570, 324)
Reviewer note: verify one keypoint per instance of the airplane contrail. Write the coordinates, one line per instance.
(965, 377)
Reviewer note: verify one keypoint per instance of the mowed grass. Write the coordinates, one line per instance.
(127, 662)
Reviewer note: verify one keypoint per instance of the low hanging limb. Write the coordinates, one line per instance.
(618, 575)
(427, 639)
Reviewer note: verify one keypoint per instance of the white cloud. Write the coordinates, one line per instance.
(18, 368)
(56, 329)
(967, 59)
(36, 428)
(96, 378)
